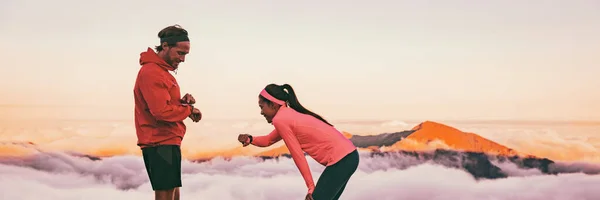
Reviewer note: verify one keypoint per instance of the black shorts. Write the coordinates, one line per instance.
(163, 164)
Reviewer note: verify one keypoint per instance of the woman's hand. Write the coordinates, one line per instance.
(244, 139)
(308, 197)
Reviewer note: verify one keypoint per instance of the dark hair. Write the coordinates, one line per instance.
(170, 31)
(278, 92)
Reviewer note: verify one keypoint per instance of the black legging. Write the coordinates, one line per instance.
(333, 180)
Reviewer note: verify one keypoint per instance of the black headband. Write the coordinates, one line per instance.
(174, 39)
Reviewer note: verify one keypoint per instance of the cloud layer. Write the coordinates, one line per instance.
(62, 176)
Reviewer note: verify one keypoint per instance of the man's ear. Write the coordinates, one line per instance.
(165, 45)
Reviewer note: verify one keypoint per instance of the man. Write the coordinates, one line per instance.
(160, 111)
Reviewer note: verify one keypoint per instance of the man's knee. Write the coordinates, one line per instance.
(164, 194)
(176, 194)
(171, 190)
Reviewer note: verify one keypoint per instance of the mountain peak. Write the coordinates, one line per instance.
(437, 135)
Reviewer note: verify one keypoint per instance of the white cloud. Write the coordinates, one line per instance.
(59, 176)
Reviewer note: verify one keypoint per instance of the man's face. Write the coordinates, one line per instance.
(175, 55)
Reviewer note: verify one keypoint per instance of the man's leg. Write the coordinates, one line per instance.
(176, 194)
(163, 164)
(177, 155)
(164, 194)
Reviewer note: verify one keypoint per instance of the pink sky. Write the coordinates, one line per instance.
(347, 60)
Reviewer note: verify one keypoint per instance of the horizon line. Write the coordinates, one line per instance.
(348, 120)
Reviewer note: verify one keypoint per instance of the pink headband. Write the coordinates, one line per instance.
(265, 94)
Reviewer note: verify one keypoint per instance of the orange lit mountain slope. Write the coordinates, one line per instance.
(431, 134)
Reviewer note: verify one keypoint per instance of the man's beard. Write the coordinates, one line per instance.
(169, 61)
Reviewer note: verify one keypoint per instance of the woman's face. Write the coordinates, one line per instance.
(268, 110)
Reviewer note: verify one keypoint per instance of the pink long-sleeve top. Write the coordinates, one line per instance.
(302, 132)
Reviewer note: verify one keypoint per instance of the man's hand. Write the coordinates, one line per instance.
(188, 99)
(196, 115)
(308, 197)
(244, 139)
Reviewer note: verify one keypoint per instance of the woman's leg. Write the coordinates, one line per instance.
(334, 178)
(337, 196)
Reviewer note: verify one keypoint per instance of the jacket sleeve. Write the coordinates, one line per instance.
(266, 140)
(156, 94)
(285, 131)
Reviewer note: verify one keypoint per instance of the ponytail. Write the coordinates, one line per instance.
(295, 104)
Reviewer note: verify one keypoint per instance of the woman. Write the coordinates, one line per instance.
(304, 131)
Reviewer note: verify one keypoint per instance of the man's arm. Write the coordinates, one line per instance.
(156, 93)
(266, 140)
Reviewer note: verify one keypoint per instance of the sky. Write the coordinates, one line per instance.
(345, 59)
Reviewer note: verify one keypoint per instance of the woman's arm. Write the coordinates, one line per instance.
(266, 140)
(284, 130)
